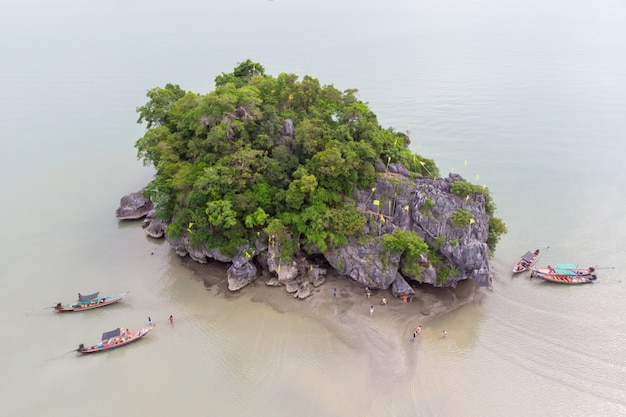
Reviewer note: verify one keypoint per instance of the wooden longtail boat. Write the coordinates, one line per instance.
(569, 279)
(526, 261)
(114, 339)
(90, 301)
(562, 269)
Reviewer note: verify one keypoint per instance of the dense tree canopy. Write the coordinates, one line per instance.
(228, 167)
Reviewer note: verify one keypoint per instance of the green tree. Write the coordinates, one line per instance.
(221, 214)
(257, 218)
(155, 111)
(241, 74)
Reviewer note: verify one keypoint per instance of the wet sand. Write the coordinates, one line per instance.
(385, 336)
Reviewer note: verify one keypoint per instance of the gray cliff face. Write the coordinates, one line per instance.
(397, 201)
(425, 206)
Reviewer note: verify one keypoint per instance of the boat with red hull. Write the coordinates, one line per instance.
(114, 339)
(89, 302)
(566, 274)
(569, 279)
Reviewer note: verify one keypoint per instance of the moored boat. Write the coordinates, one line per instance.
(562, 269)
(114, 339)
(526, 261)
(569, 279)
(90, 301)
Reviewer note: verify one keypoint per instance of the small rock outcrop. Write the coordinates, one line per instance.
(152, 226)
(134, 206)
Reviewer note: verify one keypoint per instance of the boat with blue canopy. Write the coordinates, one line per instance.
(566, 274)
(89, 302)
(562, 269)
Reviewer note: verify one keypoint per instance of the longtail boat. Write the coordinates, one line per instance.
(526, 261)
(90, 301)
(114, 339)
(562, 269)
(568, 279)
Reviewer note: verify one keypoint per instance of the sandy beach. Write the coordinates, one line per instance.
(385, 335)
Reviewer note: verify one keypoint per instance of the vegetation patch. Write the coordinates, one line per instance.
(229, 164)
(461, 218)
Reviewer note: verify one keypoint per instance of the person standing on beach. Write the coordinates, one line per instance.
(334, 292)
(445, 333)
(418, 330)
(414, 336)
(371, 310)
(171, 319)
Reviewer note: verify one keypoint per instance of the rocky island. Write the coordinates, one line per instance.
(286, 180)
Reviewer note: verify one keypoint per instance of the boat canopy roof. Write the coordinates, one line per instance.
(565, 269)
(112, 333)
(529, 256)
(88, 296)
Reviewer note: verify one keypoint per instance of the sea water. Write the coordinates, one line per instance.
(525, 97)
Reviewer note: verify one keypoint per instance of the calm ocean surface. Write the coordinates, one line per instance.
(525, 97)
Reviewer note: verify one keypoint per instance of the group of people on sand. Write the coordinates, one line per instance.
(406, 298)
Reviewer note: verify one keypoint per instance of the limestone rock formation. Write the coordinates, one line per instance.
(152, 226)
(134, 206)
(397, 201)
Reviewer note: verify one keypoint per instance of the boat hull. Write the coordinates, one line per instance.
(568, 279)
(563, 269)
(526, 262)
(116, 342)
(96, 303)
